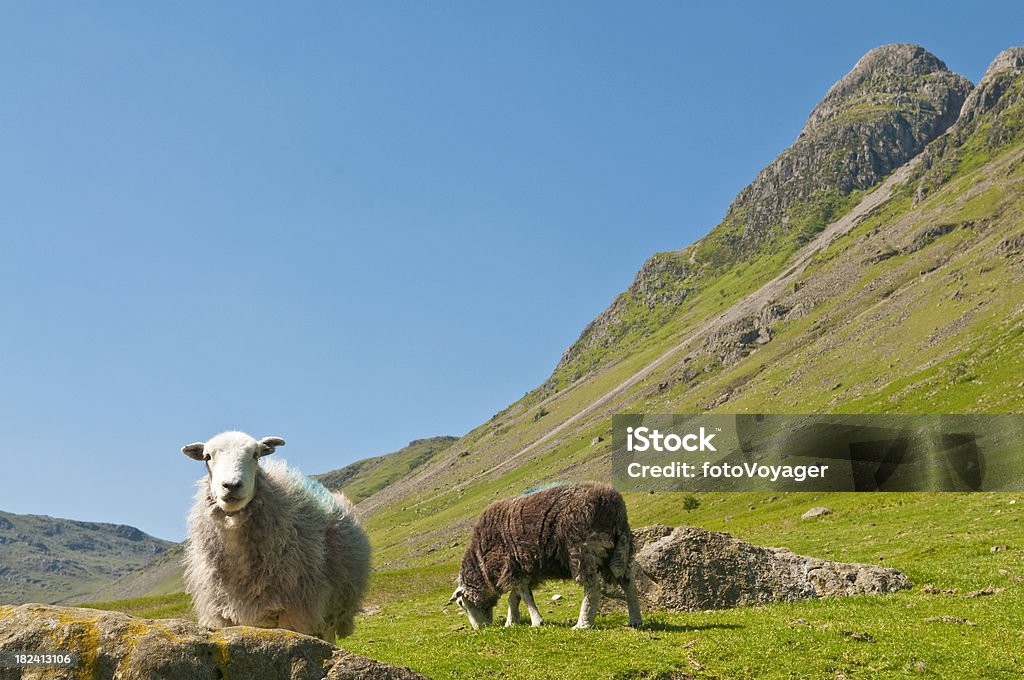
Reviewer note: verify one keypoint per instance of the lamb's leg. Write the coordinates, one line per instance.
(513, 607)
(591, 601)
(531, 606)
(632, 603)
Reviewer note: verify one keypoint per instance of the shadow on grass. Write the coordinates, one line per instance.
(664, 626)
(648, 625)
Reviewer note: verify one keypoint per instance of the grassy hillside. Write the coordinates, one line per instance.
(366, 477)
(162, 576)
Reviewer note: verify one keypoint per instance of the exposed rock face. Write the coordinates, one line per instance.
(885, 73)
(659, 287)
(113, 645)
(647, 535)
(1011, 58)
(691, 569)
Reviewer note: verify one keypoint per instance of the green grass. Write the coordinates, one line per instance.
(173, 606)
(942, 540)
(811, 639)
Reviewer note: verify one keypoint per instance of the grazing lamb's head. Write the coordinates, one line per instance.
(230, 459)
(479, 609)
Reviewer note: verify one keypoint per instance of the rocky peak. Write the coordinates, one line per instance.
(896, 100)
(1002, 73)
(883, 74)
(893, 103)
(1012, 58)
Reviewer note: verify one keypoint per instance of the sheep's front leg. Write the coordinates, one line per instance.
(284, 621)
(591, 601)
(531, 606)
(513, 608)
(633, 604)
(293, 623)
(215, 620)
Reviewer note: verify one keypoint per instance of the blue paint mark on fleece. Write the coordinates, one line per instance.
(295, 479)
(546, 485)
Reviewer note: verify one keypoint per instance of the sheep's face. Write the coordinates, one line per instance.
(231, 463)
(480, 614)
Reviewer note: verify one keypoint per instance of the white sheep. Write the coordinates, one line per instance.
(270, 547)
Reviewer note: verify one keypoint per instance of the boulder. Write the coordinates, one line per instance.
(113, 645)
(691, 569)
(651, 534)
(816, 512)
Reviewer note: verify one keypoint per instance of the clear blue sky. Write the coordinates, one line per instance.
(356, 224)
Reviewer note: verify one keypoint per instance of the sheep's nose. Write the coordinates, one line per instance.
(231, 487)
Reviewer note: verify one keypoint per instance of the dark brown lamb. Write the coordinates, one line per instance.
(577, 531)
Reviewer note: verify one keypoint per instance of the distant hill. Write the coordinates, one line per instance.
(162, 576)
(43, 559)
(366, 477)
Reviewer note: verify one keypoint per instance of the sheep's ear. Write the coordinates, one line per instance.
(194, 451)
(455, 595)
(268, 444)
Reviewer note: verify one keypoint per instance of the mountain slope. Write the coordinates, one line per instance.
(164, 575)
(906, 303)
(366, 477)
(43, 559)
(896, 100)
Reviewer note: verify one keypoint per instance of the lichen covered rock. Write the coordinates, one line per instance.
(115, 646)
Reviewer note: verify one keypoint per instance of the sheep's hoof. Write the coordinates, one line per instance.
(636, 624)
(582, 626)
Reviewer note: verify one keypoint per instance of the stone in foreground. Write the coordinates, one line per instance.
(115, 646)
(691, 569)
